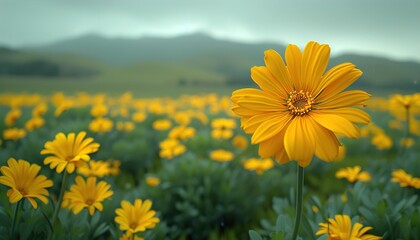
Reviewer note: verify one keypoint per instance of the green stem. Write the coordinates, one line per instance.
(15, 218)
(407, 127)
(299, 201)
(60, 201)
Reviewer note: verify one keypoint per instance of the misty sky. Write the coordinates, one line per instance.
(383, 27)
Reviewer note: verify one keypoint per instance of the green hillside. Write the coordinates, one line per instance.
(168, 66)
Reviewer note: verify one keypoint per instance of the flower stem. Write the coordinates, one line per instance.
(12, 233)
(60, 201)
(407, 126)
(299, 201)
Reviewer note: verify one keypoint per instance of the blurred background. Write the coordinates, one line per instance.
(168, 48)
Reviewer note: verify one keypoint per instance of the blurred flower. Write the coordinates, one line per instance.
(171, 148)
(125, 126)
(94, 168)
(64, 106)
(315, 209)
(182, 132)
(299, 110)
(87, 194)
(99, 110)
(407, 142)
(382, 141)
(138, 117)
(129, 236)
(12, 116)
(222, 128)
(34, 123)
(182, 118)
(341, 153)
(221, 155)
(240, 142)
(162, 125)
(353, 174)
(258, 165)
(136, 218)
(39, 110)
(115, 167)
(340, 228)
(69, 151)
(101, 125)
(405, 179)
(152, 181)
(13, 133)
(24, 181)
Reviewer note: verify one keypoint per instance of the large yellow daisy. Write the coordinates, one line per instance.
(24, 182)
(69, 151)
(300, 109)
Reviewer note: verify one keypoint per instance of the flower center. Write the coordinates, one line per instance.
(133, 225)
(89, 202)
(299, 103)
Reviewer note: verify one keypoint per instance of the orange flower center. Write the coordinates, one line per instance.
(89, 202)
(299, 103)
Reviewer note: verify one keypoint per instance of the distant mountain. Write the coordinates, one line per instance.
(122, 51)
(231, 59)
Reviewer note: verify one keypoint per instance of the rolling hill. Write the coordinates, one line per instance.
(190, 63)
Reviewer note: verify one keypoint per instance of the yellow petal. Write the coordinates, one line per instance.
(314, 62)
(294, 65)
(336, 124)
(344, 99)
(270, 127)
(273, 145)
(327, 144)
(299, 142)
(267, 82)
(351, 114)
(276, 66)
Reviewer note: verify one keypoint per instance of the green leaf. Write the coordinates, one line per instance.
(254, 235)
(100, 230)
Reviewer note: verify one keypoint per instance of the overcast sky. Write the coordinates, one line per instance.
(383, 27)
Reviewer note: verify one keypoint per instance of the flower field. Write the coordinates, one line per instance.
(93, 166)
(184, 169)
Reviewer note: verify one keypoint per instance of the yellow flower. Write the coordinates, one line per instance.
(64, 106)
(405, 179)
(162, 125)
(182, 118)
(171, 148)
(115, 167)
(24, 182)
(152, 181)
(129, 236)
(34, 123)
(223, 123)
(99, 110)
(12, 116)
(87, 194)
(407, 142)
(353, 174)
(340, 228)
(382, 141)
(299, 109)
(125, 126)
(315, 209)
(101, 125)
(221, 133)
(139, 117)
(182, 132)
(259, 165)
(344, 198)
(39, 110)
(136, 218)
(13, 134)
(240, 142)
(94, 169)
(69, 151)
(221, 155)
